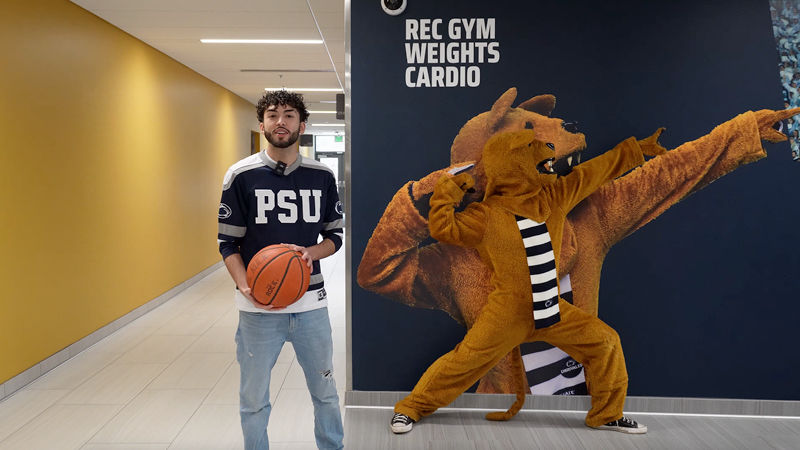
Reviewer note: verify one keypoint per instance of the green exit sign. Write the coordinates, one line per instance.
(338, 139)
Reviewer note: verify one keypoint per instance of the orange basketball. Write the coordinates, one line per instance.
(278, 276)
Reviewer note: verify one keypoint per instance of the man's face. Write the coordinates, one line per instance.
(282, 126)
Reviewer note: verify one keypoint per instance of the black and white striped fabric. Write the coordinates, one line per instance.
(542, 265)
(549, 370)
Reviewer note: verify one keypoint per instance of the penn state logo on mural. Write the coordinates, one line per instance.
(224, 211)
(339, 208)
(393, 7)
(571, 368)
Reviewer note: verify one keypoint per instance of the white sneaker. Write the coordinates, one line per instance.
(624, 425)
(401, 423)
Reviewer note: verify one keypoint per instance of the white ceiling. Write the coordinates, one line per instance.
(175, 28)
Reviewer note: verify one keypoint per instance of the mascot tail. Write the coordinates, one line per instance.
(520, 388)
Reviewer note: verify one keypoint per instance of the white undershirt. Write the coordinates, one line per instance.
(308, 302)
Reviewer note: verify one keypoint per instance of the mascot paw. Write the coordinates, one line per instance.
(464, 181)
(769, 123)
(650, 145)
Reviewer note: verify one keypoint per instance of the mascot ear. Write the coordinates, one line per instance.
(501, 107)
(541, 104)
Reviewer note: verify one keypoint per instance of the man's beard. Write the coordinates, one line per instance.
(283, 144)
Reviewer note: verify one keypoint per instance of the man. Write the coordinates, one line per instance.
(278, 196)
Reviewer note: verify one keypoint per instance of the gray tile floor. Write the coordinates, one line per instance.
(368, 428)
(169, 380)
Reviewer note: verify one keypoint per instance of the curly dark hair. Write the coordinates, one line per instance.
(282, 97)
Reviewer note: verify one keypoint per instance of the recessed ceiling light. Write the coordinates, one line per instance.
(323, 112)
(326, 125)
(261, 41)
(304, 89)
(327, 101)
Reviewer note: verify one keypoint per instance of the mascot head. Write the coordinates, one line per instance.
(533, 114)
(517, 163)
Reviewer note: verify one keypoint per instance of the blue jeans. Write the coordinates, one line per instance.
(259, 340)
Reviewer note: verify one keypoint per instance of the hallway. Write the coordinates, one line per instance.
(169, 380)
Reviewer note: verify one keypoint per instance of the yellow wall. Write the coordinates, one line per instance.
(111, 164)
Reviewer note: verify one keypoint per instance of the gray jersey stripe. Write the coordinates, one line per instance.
(314, 164)
(273, 164)
(251, 162)
(232, 230)
(316, 278)
(338, 235)
(339, 223)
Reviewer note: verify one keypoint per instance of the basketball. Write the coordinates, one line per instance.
(278, 276)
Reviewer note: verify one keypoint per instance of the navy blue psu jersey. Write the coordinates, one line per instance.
(265, 203)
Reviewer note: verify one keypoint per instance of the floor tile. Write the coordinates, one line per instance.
(295, 378)
(24, 406)
(339, 335)
(158, 317)
(116, 384)
(216, 339)
(226, 391)
(193, 371)
(137, 446)
(212, 427)
(75, 371)
(340, 370)
(292, 417)
(287, 354)
(158, 349)
(230, 318)
(277, 380)
(293, 446)
(123, 339)
(154, 416)
(193, 321)
(60, 427)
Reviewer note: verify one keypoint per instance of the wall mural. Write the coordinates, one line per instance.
(688, 281)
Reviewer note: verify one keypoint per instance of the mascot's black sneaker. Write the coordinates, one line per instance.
(624, 425)
(401, 423)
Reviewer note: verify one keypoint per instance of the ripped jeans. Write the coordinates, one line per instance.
(259, 340)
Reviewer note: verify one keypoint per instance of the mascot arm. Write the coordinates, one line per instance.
(465, 228)
(393, 264)
(627, 203)
(586, 178)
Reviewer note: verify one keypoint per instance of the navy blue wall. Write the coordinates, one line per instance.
(705, 297)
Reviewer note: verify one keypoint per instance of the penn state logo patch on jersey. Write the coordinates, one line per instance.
(224, 211)
(339, 208)
(321, 295)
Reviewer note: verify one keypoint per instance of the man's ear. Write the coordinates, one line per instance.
(261, 127)
(302, 128)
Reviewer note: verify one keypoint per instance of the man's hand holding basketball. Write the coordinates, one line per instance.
(305, 252)
(318, 251)
(248, 294)
(238, 272)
